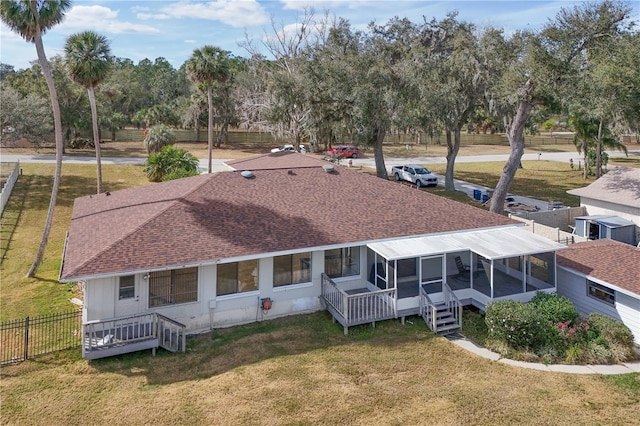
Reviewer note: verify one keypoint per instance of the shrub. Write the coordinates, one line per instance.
(517, 324)
(170, 163)
(610, 330)
(554, 308)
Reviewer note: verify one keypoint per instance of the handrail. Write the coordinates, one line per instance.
(175, 330)
(428, 310)
(361, 307)
(452, 302)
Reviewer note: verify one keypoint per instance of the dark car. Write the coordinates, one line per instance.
(346, 151)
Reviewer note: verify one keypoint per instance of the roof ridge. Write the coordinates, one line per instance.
(143, 224)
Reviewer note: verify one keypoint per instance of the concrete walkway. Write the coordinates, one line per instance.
(624, 368)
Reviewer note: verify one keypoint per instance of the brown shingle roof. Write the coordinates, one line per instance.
(607, 260)
(222, 215)
(621, 185)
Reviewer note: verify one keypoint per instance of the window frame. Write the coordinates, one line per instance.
(131, 287)
(304, 272)
(609, 294)
(168, 291)
(342, 256)
(238, 291)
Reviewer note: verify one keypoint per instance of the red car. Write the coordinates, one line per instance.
(346, 151)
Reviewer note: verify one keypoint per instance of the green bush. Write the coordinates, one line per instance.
(555, 308)
(610, 330)
(170, 163)
(517, 324)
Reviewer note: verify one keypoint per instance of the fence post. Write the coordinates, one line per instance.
(26, 338)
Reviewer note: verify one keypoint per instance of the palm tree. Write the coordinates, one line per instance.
(30, 19)
(88, 61)
(157, 137)
(207, 66)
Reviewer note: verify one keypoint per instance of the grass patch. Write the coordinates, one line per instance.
(302, 370)
(542, 180)
(22, 225)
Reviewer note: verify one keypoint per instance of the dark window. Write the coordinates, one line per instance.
(237, 277)
(291, 269)
(601, 292)
(342, 262)
(127, 287)
(173, 287)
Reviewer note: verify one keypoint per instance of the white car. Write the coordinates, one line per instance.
(284, 148)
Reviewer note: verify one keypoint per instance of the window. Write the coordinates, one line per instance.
(342, 262)
(291, 269)
(601, 292)
(127, 287)
(173, 287)
(237, 277)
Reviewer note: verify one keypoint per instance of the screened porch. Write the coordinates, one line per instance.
(479, 266)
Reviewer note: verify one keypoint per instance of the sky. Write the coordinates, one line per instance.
(174, 29)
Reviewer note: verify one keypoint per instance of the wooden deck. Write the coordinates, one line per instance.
(131, 333)
(359, 306)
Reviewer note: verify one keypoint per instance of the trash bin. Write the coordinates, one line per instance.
(485, 198)
(476, 194)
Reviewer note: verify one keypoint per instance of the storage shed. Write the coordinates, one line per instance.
(603, 226)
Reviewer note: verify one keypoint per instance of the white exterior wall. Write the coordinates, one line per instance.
(573, 285)
(101, 297)
(597, 207)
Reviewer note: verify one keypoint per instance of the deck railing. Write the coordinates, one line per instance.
(450, 304)
(360, 308)
(120, 335)
(452, 301)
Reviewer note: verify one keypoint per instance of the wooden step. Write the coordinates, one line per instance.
(448, 327)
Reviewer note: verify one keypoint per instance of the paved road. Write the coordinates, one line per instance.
(468, 188)
(366, 162)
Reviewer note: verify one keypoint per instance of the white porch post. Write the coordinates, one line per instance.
(491, 278)
(525, 263)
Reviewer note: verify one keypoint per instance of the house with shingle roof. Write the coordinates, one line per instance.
(283, 234)
(612, 203)
(603, 276)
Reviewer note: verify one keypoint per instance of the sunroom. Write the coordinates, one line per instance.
(465, 268)
(478, 266)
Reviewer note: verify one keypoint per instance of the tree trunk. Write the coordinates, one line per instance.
(57, 124)
(585, 147)
(599, 150)
(515, 134)
(210, 126)
(96, 137)
(381, 169)
(453, 147)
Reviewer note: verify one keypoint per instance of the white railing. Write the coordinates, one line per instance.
(8, 186)
(172, 335)
(428, 310)
(130, 333)
(360, 308)
(452, 301)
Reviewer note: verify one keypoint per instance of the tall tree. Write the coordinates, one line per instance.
(88, 61)
(31, 19)
(207, 66)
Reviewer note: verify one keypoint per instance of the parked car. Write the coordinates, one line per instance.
(346, 151)
(284, 148)
(419, 175)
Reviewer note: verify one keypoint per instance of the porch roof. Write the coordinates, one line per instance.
(497, 243)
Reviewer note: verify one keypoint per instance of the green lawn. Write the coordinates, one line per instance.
(294, 370)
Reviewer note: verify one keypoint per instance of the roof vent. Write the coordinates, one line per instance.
(328, 168)
(291, 172)
(248, 174)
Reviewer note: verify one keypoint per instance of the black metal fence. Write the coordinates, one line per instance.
(25, 338)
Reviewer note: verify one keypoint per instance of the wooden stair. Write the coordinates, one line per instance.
(441, 316)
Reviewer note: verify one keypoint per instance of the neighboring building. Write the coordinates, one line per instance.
(603, 276)
(294, 235)
(612, 203)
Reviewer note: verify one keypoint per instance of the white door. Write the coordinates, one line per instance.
(127, 295)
